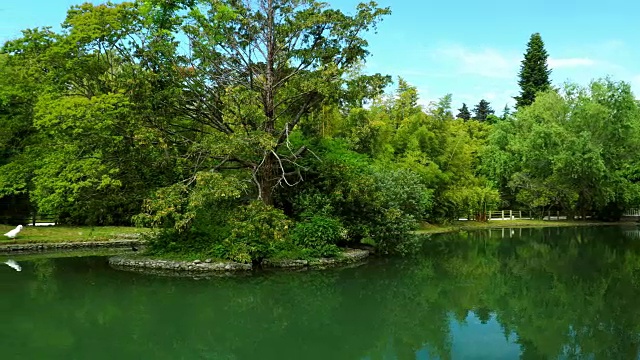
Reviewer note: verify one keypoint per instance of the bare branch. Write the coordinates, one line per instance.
(284, 173)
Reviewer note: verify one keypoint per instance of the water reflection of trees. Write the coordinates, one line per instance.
(565, 292)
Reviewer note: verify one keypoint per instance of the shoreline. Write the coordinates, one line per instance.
(127, 240)
(150, 265)
(36, 248)
(128, 260)
(499, 224)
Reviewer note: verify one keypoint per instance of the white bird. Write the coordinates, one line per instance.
(13, 233)
(13, 264)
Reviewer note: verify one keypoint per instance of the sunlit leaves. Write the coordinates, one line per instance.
(571, 149)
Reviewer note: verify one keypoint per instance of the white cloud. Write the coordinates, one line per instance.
(612, 47)
(489, 96)
(499, 99)
(570, 62)
(471, 73)
(485, 62)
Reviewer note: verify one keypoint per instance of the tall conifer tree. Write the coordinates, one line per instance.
(482, 110)
(463, 112)
(534, 72)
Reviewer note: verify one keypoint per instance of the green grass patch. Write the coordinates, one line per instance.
(59, 234)
(471, 225)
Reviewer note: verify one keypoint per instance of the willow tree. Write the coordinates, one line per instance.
(251, 72)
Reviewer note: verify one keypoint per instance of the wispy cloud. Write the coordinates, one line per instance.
(570, 62)
(487, 62)
(473, 72)
(613, 47)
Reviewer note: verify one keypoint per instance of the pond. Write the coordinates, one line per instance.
(501, 294)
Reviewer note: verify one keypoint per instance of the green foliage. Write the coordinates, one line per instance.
(441, 110)
(178, 205)
(534, 72)
(319, 234)
(250, 116)
(379, 203)
(567, 150)
(256, 230)
(223, 230)
(482, 111)
(464, 113)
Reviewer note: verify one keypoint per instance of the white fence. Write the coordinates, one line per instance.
(548, 215)
(632, 212)
(518, 215)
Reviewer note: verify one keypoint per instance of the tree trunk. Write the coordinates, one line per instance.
(267, 179)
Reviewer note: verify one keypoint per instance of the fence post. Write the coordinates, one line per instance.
(502, 214)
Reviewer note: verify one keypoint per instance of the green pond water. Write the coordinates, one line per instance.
(554, 293)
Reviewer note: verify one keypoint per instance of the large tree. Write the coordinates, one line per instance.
(254, 70)
(534, 72)
(78, 147)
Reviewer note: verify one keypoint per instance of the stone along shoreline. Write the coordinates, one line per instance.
(172, 267)
(28, 248)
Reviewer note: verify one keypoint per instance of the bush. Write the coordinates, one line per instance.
(391, 232)
(376, 203)
(319, 234)
(386, 213)
(256, 230)
(198, 243)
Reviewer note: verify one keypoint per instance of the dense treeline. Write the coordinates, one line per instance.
(244, 129)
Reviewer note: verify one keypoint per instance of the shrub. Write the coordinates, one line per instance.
(376, 203)
(256, 229)
(319, 234)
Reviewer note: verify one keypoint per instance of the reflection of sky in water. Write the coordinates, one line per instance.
(474, 340)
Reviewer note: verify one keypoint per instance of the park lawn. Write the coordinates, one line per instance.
(54, 234)
(471, 225)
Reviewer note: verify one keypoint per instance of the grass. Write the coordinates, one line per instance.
(57, 234)
(471, 225)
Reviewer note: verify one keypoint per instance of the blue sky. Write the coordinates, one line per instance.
(471, 49)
